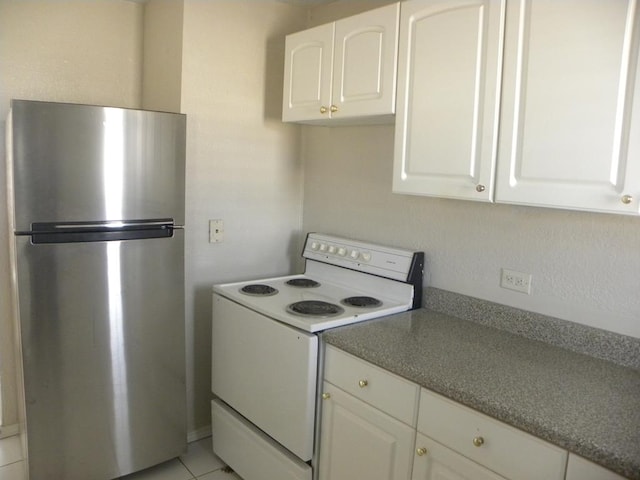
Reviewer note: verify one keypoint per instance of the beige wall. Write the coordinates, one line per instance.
(82, 52)
(243, 162)
(162, 60)
(586, 267)
(221, 63)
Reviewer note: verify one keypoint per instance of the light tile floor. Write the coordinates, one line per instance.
(198, 463)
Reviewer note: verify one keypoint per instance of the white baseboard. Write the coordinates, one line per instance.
(199, 434)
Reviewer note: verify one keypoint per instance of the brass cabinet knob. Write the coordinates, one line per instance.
(480, 188)
(333, 109)
(326, 396)
(627, 199)
(363, 383)
(478, 441)
(421, 451)
(323, 109)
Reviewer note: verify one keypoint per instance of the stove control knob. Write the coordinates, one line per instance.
(354, 254)
(323, 247)
(314, 245)
(342, 251)
(366, 257)
(332, 249)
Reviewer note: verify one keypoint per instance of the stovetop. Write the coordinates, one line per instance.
(379, 280)
(393, 296)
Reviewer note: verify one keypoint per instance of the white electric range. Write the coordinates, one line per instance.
(265, 348)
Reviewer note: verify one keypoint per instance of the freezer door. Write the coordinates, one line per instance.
(103, 344)
(77, 163)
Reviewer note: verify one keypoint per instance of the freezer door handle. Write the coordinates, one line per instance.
(141, 224)
(72, 232)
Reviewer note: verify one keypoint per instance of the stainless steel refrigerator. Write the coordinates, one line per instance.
(96, 202)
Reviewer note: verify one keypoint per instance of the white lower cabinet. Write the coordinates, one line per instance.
(360, 442)
(580, 469)
(499, 447)
(437, 462)
(387, 428)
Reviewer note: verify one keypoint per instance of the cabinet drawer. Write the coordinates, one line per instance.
(388, 392)
(435, 461)
(501, 448)
(249, 451)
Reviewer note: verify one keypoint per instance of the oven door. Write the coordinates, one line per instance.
(266, 371)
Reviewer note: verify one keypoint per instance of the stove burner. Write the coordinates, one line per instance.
(315, 308)
(364, 302)
(258, 290)
(303, 283)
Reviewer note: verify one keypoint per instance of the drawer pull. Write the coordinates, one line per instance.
(421, 451)
(326, 396)
(478, 441)
(363, 383)
(323, 109)
(627, 199)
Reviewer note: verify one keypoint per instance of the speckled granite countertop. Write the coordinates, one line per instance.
(588, 406)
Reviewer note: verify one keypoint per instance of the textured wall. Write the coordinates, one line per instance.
(586, 267)
(242, 162)
(79, 52)
(162, 60)
(221, 63)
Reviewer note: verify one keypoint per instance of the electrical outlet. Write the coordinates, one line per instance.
(216, 231)
(517, 281)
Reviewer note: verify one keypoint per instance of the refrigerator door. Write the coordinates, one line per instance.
(102, 326)
(83, 163)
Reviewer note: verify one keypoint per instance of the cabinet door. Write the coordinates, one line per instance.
(359, 442)
(436, 462)
(580, 469)
(448, 93)
(365, 63)
(308, 67)
(570, 134)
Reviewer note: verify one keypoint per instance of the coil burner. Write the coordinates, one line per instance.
(302, 283)
(361, 302)
(315, 308)
(259, 290)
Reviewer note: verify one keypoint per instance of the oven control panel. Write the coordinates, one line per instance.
(362, 256)
(340, 251)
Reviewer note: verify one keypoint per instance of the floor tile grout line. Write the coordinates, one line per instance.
(193, 476)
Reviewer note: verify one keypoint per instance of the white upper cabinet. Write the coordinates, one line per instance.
(535, 98)
(308, 68)
(570, 125)
(448, 93)
(343, 72)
